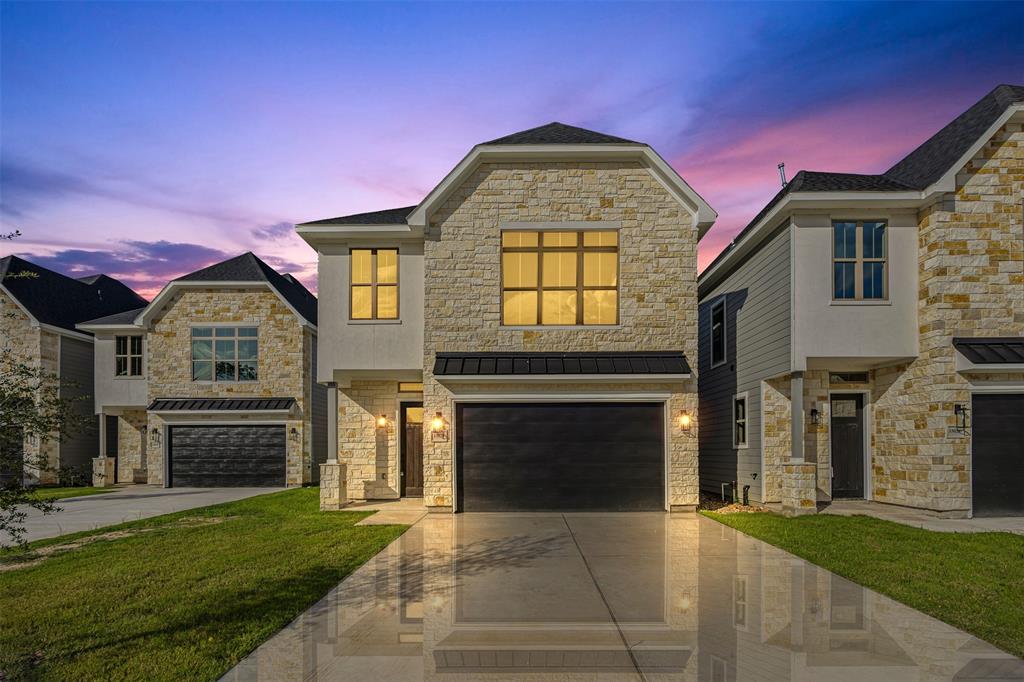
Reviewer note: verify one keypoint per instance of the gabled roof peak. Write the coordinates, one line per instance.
(559, 133)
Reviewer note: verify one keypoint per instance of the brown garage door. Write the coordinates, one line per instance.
(997, 454)
(560, 457)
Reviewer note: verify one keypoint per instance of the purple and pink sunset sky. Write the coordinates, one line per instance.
(146, 140)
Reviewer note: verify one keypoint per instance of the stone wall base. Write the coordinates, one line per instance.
(682, 508)
(440, 509)
(333, 486)
(103, 474)
(799, 489)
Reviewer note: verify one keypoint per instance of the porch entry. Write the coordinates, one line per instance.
(412, 449)
(847, 440)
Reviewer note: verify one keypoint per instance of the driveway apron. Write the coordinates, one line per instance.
(630, 596)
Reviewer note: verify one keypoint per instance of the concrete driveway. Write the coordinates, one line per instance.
(126, 504)
(608, 597)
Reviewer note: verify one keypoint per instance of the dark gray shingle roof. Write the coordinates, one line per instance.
(916, 171)
(220, 404)
(126, 317)
(560, 133)
(484, 364)
(389, 216)
(991, 350)
(937, 154)
(61, 301)
(249, 268)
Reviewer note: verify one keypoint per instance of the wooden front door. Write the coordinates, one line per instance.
(847, 445)
(412, 450)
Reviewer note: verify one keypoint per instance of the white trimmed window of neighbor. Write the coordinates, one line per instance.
(128, 356)
(373, 286)
(718, 345)
(224, 354)
(739, 420)
(859, 260)
(559, 277)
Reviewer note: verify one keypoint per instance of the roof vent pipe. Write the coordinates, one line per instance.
(782, 174)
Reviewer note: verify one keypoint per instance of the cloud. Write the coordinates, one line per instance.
(274, 232)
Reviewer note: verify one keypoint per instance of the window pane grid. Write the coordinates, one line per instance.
(128, 356)
(859, 255)
(224, 354)
(559, 277)
(373, 286)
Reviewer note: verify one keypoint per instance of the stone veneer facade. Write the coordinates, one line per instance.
(284, 370)
(971, 283)
(39, 348)
(657, 289)
(131, 444)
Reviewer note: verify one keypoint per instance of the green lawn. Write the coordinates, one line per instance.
(181, 596)
(974, 582)
(61, 493)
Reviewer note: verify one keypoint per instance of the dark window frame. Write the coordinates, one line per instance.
(719, 305)
(579, 288)
(131, 358)
(740, 432)
(860, 262)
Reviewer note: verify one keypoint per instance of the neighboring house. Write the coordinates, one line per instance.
(520, 339)
(38, 312)
(863, 336)
(212, 384)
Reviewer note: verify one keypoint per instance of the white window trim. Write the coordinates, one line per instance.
(259, 360)
(746, 420)
(725, 332)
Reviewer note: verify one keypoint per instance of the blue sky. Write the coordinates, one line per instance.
(149, 139)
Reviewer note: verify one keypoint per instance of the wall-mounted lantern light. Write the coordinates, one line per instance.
(685, 421)
(156, 435)
(382, 421)
(294, 432)
(963, 420)
(439, 427)
(815, 416)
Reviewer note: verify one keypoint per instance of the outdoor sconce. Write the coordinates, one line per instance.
(439, 427)
(960, 411)
(382, 421)
(156, 435)
(685, 421)
(294, 433)
(815, 416)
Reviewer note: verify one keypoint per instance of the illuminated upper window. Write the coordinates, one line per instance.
(559, 277)
(374, 284)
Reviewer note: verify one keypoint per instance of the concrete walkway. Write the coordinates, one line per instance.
(406, 511)
(919, 518)
(640, 596)
(127, 503)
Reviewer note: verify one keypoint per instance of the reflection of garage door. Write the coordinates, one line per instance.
(997, 454)
(560, 456)
(227, 456)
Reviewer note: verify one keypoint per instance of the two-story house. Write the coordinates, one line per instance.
(212, 384)
(38, 312)
(863, 336)
(521, 339)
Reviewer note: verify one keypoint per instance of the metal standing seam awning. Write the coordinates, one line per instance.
(996, 350)
(221, 405)
(612, 366)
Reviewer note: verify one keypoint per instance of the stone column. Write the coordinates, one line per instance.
(333, 486)
(799, 478)
(102, 471)
(332, 422)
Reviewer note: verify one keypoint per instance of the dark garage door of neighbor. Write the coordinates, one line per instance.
(227, 456)
(560, 457)
(997, 454)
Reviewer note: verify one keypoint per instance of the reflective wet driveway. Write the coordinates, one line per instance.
(609, 597)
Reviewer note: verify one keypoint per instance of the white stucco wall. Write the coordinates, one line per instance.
(364, 347)
(857, 333)
(114, 392)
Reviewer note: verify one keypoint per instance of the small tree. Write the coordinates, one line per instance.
(32, 408)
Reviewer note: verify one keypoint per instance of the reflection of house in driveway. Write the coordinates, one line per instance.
(542, 597)
(790, 620)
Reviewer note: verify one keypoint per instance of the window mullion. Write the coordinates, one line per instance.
(858, 267)
(579, 281)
